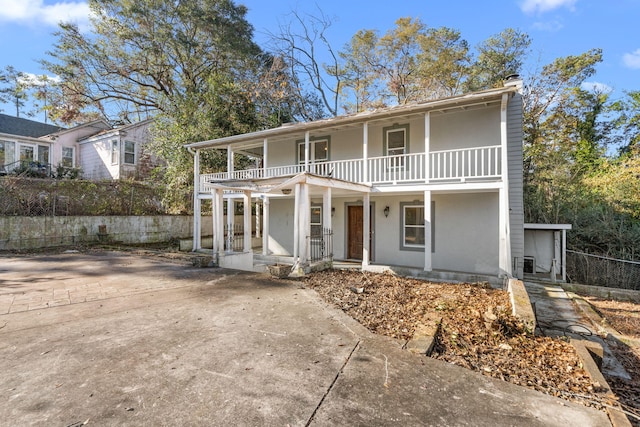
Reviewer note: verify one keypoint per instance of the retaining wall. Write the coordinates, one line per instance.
(37, 232)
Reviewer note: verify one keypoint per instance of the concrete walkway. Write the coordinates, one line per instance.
(168, 344)
(558, 316)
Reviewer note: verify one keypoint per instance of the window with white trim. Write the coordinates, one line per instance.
(26, 153)
(43, 154)
(396, 143)
(412, 229)
(129, 153)
(115, 152)
(318, 150)
(316, 220)
(68, 157)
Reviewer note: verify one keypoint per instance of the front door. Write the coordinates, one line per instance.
(355, 230)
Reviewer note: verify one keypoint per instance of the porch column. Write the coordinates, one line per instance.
(197, 204)
(427, 147)
(326, 208)
(265, 156)
(265, 231)
(564, 255)
(257, 218)
(304, 223)
(218, 222)
(296, 224)
(365, 152)
(366, 229)
(214, 228)
(306, 151)
(246, 199)
(326, 218)
(427, 231)
(229, 161)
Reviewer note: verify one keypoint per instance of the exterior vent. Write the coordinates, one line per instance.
(529, 265)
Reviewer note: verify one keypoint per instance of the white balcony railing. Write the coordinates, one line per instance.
(444, 166)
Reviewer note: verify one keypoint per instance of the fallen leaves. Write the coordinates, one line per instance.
(477, 329)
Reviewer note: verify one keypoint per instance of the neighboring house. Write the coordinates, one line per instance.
(107, 153)
(20, 142)
(433, 188)
(96, 148)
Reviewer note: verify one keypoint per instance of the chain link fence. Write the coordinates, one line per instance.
(21, 196)
(602, 271)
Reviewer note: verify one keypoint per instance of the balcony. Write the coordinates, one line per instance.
(447, 166)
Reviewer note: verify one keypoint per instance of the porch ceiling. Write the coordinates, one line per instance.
(285, 185)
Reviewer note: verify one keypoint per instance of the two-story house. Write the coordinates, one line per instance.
(432, 188)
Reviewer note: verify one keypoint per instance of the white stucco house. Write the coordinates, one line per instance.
(99, 150)
(432, 188)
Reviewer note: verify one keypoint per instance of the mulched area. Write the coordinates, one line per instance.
(477, 330)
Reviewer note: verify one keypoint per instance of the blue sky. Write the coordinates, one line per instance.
(557, 27)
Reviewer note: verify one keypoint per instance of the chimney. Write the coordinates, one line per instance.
(513, 80)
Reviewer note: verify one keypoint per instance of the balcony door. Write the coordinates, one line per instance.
(355, 231)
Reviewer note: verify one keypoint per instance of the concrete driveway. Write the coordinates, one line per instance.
(120, 339)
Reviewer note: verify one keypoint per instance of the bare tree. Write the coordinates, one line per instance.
(312, 63)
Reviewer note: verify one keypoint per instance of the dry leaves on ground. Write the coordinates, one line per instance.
(477, 329)
(624, 317)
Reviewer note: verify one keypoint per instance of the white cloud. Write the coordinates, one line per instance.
(596, 87)
(36, 12)
(632, 60)
(35, 80)
(541, 6)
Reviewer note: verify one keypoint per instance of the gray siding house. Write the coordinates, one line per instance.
(432, 188)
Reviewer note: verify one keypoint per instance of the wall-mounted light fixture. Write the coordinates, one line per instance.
(286, 191)
(386, 211)
(333, 211)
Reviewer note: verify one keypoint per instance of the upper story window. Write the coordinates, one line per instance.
(115, 152)
(396, 143)
(129, 152)
(318, 150)
(68, 157)
(396, 140)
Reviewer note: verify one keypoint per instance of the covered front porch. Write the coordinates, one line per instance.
(312, 237)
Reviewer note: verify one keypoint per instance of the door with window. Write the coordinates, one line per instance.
(355, 232)
(318, 155)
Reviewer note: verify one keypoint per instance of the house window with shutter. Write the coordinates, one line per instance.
(412, 229)
(396, 144)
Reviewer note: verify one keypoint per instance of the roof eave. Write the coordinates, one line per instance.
(438, 104)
